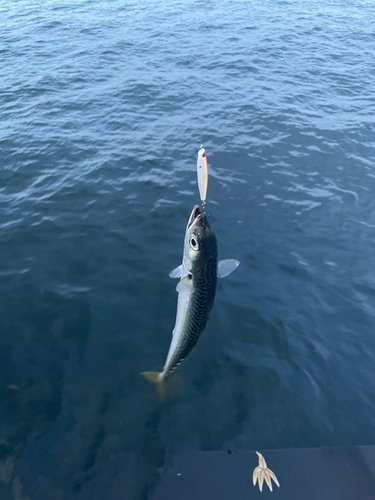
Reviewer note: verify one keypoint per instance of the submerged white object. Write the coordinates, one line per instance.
(202, 173)
(263, 473)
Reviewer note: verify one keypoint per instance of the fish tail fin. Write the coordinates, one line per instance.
(157, 379)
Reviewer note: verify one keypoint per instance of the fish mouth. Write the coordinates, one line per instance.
(196, 212)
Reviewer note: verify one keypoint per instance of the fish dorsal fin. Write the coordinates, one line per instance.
(185, 285)
(176, 272)
(226, 267)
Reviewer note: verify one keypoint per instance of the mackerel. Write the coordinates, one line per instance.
(196, 291)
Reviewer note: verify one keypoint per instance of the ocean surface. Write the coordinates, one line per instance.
(103, 107)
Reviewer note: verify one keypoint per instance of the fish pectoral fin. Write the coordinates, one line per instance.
(176, 272)
(185, 285)
(226, 267)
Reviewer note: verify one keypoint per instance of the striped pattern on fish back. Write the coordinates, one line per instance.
(204, 276)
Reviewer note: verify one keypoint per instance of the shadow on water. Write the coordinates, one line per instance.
(153, 450)
(70, 417)
(43, 337)
(338, 473)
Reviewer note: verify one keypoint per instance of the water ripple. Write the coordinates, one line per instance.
(103, 108)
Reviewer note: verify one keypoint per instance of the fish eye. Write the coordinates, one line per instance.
(193, 242)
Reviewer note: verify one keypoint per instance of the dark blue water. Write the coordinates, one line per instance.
(103, 107)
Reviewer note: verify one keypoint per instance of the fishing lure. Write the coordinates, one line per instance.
(202, 174)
